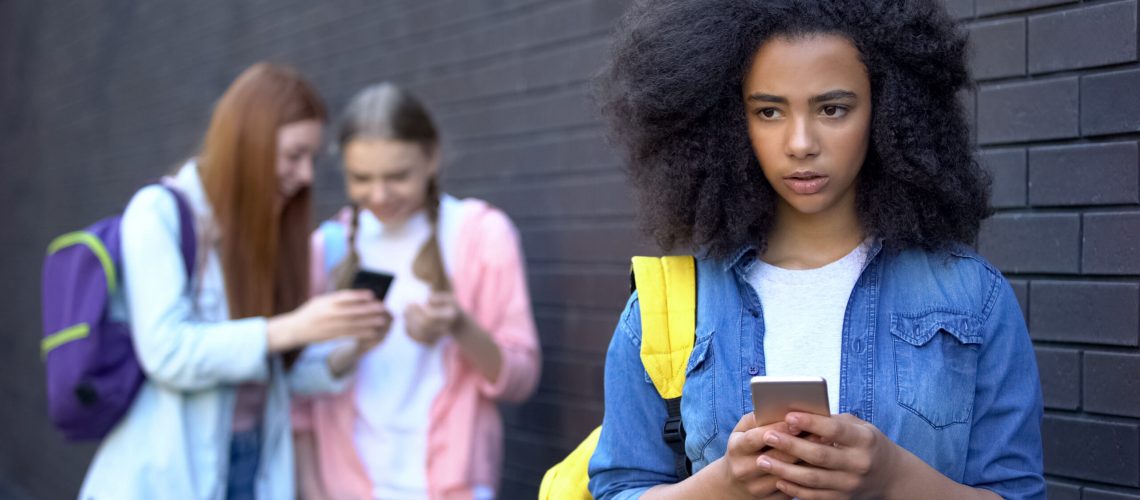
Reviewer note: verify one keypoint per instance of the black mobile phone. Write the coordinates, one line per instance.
(371, 280)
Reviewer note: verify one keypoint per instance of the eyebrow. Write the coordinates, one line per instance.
(834, 95)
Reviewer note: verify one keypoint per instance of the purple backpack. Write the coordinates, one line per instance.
(92, 372)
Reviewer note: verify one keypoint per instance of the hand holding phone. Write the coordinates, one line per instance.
(378, 282)
(774, 397)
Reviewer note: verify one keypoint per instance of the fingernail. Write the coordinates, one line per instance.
(793, 420)
(764, 463)
(771, 438)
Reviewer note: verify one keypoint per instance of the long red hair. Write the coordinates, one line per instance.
(264, 252)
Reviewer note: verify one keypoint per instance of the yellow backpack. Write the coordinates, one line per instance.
(667, 294)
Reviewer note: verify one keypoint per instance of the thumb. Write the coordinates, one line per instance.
(746, 422)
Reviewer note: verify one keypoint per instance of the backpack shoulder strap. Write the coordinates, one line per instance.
(334, 237)
(667, 293)
(189, 242)
(667, 296)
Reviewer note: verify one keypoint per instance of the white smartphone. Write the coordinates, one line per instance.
(774, 397)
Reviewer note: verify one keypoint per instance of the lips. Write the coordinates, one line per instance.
(806, 182)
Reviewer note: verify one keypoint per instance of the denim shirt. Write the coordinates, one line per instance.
(935, 354)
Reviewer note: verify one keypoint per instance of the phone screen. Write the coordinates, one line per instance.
(376, 281)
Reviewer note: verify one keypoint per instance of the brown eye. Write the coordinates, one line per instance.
(769, 113)
(834, 111)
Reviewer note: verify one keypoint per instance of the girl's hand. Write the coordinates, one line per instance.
(344, 358)
(860, 463)
(429, 322)
(346, 313)
(745, 447)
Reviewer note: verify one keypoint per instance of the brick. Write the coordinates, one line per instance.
(544, 69)
(1084, 174)
(1014, 112)
(1112, 383)
(590, 197)
(530, 452)
(990, 7)
(1021, 291)
(1056, 490)
(555, 21)
(1111, 243)
(1093, 35)
(968, 98)
(1008, 169)
(1109, 103)
(959, 9)
(562, 153)
(1086, 312)
(578, 331)
(1060, 371)
(1093, 450)
(608, 243)
(557, 416)
(569, 287)
(997, 49)
(572, 377)
(1032, 243)
(544, 113)
(512, 488)
(1092, 493)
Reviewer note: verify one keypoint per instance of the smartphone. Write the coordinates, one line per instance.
(371, 280)
(774, 397)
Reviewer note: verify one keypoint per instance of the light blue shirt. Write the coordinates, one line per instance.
(935, 354)
(174, 441)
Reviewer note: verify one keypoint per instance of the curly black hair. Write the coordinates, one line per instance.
(672, 95)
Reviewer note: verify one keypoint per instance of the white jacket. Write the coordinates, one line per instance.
(174, 441)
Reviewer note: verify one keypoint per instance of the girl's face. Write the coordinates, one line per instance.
(388, 177)
(297, 144)
(808, 101)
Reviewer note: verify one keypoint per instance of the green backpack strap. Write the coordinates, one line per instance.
(667, 295)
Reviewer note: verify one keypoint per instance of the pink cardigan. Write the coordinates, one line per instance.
(465, 436)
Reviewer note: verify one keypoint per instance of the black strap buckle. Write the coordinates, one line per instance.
(674, 434)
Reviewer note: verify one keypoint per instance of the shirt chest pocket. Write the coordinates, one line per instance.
(936, 357)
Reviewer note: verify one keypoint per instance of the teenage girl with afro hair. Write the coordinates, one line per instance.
(814, 156)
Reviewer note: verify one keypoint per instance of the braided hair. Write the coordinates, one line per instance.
(385, 111)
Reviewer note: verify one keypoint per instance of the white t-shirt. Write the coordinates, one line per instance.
(399, 379)
(803, 317)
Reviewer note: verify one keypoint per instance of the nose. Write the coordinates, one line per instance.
(801, 142)
(377, 193)
(305, 172)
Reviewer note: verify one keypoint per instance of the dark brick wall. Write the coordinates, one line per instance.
(97, 97)
(1058, 118)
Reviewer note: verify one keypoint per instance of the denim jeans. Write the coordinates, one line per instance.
(245, 456)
